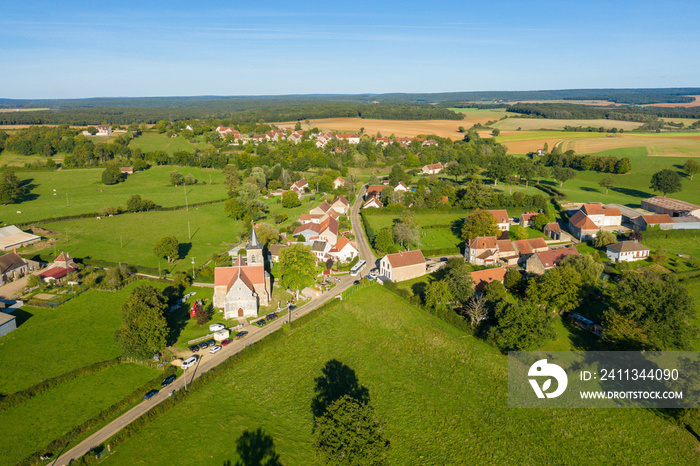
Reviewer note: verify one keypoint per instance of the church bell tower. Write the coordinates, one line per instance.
(254, 250)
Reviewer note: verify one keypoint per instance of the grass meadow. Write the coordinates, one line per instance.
(73, 192)
(441, 394)
(47, 416)
(149, 142)
(536, 124)
(130, 238)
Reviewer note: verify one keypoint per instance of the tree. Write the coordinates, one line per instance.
(297, 266)
(167, 247)
(176, 178)
(521, 326)
(607, 183)
(437, 295)
(539, 221)
(495, 132)
(144, 329)
(384, 242)
(396, 175)
(111, 175)
(517, 232)
(349, 433)
(290, 199)
(660, 306)
(459, 280)
(476, 310)
(136, 204)
(624, 165)
(405, 230)
(10, 189)
(526, 170)
(666, 181)
(603, 238)
(691, 167)
(585, 265)
(562, 174)
(559, 289)
(234, 208)
(512, 280)
(480, 223)
(500, 167)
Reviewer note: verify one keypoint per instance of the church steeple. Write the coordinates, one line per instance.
(253, 244)
(254, 250)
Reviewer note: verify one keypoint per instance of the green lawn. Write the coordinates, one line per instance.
(149, 142)
(50, 342)
(441, 393)
(212, 232)
(45, 417)
(73, 192)
(13, 159)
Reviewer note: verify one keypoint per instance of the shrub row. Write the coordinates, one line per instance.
(440, 252)
(66, 439)
(21, 396)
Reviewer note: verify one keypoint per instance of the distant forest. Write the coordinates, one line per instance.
(372, 106)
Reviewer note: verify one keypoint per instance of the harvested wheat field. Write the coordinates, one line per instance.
(399, 128)
(534, 124)
(657, 146)
(695, 103)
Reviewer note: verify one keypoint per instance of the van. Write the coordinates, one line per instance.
(216, 327)
(189, 362)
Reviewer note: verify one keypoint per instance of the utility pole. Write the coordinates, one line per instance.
(121, 241)
(193, 267)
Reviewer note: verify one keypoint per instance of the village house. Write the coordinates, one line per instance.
(343, 251)
(103, 130)
(383, 141)
(226, 130)
(340, 205)
(242, 288)
(403, 265)
(488, 250)
(582, 227)
(320, 248)
(13, 266)
(602, 216)
(296, 137)
(327, 230)
(350, 138)
(627, 251)
(374, 190)
(127, 170)
(321, 209)
(552, 230)
(671, 207)
(502, 219)
(401, 187)
(541, 261)
(273, 252)
(59, 269)
(429, 142)
(525, 220)
(299, 186)
(338, 183)
(373, 202)
(432, 169)
(483, 277)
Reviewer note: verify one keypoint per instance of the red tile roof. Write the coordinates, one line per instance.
(552, 257)
(482, 277)
(483, 242)
(553, 226)
(501, 216)
(581, 221)
(656, 219)
(405, 259)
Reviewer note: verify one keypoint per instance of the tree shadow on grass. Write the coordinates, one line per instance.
(337, 381)
(633, 192)
(255, 448)
(183, 249)
(28, 187)
(590, 190)
(418, 289)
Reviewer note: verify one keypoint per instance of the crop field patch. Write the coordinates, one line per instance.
(531, 124)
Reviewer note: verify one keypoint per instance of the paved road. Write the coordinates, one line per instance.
(207, 361)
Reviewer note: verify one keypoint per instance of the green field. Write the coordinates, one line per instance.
(535, 135)
(441, 393)
(12, 159)
(149, 142)
(490, 113)
(72, 192)
(535, 124)
(45, 417)
(50, 342)
(212, 232)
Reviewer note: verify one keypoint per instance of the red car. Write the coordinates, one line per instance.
(226, 342)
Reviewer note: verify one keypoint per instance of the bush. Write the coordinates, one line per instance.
(279, 218)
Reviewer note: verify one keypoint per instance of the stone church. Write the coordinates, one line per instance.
(242, 288)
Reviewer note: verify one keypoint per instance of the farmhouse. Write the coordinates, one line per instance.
(13, 266)
(672, 207)
(403, 265)
(542, 261)
(8, 323)
(628, 214)
(488, 250)
(374, 190)
(127, 170)
(327, 230)
(103, 130)
(502, 219)
(299, 186)
(627, 251)
(338, 182)
(432, 169)
(59, 269)
(601, 216)
(582, 227)
(373, 202)
(12, 237)
(241, 289)
(226, 130)
(483, 277)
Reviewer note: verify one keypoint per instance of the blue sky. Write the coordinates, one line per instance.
(91, 49)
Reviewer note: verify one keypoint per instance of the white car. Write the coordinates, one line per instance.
(189, 362)
(215, 349)
(216, 327)
(372, 275)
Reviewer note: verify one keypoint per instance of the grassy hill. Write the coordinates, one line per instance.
(441, 394)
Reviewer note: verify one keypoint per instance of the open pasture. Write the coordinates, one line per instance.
(432, 386)
(535, 124)
(662, 145)
(149, 142)
(73, 192)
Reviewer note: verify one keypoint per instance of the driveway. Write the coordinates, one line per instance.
(13, 289)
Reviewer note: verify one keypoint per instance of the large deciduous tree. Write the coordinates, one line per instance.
(10, 188)
(563, 174)
(607, 183)
(666, 181)
(297, 267)
(290, 199)
(480, 223)
(558, 289)
(691, 167)
(111, 175)
(167, 247)
(144, 329)
(520, 326)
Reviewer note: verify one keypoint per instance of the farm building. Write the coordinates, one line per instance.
(686, 223)
(403, 265)
(627, 251)
(12, 237)
(672, 207)
(526, 219)
(663, 221)
(542, 261)
(582, 227)
(59, 269)
(552, 230)
(8, 323)
(13, 266)
(627, 213)
(602, 216)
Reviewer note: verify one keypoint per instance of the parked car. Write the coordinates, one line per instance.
(270, 317)
(240, 335)
(372, 275)
(216, 327)
(215, 349)
(189, 362)
(226, 342)
(261, 323)
(194, 348)
(356, 282)
(443, 259)
(167, 381)
(150, 394)
(203, 345)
